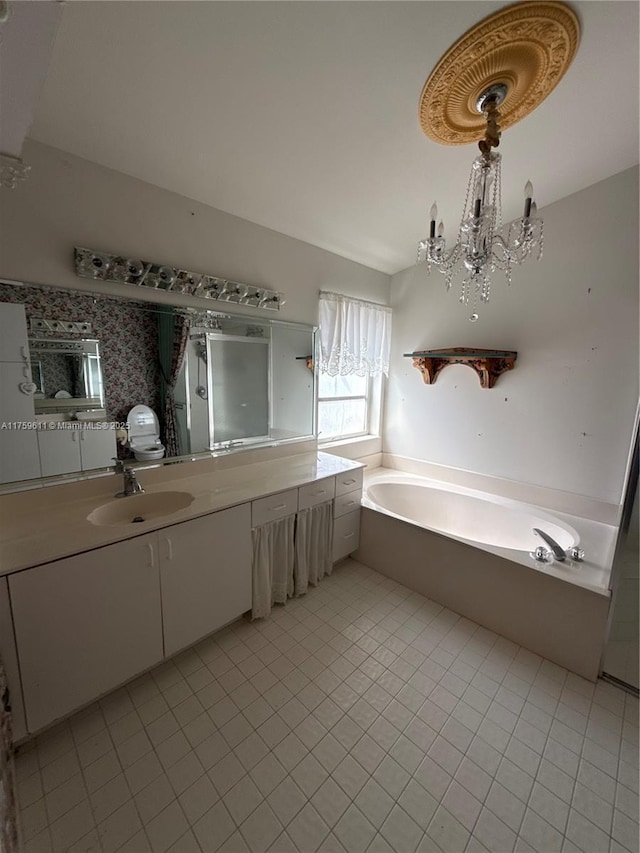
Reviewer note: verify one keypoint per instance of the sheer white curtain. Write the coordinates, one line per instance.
(273, 562)
(355, 336)
(314, 533)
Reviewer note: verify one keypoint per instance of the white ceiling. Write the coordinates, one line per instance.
(302, 116)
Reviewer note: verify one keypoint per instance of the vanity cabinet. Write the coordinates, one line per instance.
(63, 451)
(205, 575)
(75, 628)
(84, 625)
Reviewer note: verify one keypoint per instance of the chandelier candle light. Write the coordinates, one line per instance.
(512, 61)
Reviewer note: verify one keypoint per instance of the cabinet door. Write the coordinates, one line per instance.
(13, 332)
(205, 572)
(84, 625)
(97, 448)
(59, 451)
(19, 458)
(9, 658)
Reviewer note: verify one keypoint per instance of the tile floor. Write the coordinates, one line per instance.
(362, 717)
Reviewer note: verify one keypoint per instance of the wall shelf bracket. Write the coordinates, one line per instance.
(489, 364)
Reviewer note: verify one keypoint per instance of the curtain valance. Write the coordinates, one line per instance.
(355, 336)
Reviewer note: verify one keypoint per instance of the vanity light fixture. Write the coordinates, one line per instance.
(104, 267)
(41, 324)
(492, 77)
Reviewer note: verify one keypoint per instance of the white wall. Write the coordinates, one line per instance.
(68, 201)
(564, 417)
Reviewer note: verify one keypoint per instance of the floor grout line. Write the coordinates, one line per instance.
(357, 596)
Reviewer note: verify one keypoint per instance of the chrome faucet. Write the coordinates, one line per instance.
(558, 552)
(541, 555)
(131, 484)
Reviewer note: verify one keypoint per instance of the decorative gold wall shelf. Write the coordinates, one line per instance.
(489, 364)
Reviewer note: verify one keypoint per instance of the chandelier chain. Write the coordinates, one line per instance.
(492, 133)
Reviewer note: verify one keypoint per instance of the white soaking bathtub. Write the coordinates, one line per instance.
(479, 518)
(470, 551)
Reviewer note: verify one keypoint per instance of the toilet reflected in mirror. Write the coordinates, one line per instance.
(143, 430)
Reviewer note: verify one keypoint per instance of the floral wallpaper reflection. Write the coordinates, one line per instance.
(128, 336)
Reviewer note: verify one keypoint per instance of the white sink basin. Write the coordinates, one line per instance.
(139, 508)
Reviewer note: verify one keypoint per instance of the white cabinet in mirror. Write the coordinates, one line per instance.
(204, 382)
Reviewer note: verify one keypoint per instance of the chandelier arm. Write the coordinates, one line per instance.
(444, 261)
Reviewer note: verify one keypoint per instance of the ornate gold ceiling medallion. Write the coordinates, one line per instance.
(527, 47)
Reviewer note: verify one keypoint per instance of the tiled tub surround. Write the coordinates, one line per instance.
(361, 717)
(559, 610)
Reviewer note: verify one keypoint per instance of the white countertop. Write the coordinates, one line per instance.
(47, 524)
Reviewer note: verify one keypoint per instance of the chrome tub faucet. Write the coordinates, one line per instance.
(541, 555)
(558, 552)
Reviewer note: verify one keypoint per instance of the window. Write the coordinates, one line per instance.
(354, 354)
(343, 406)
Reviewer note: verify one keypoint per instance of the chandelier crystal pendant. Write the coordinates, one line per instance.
(496, 74)
(482, 245)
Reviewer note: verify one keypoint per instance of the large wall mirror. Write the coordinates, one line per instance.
(88, 377)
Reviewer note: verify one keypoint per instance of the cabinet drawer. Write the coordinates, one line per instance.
(349, 502)
(350, 481)
(346, 535)
(316, 493)
(274, 507)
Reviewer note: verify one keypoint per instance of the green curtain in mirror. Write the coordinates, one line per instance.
(173, 334)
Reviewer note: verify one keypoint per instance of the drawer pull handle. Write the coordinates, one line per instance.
(151, 555)
(321, 492)
(351, 502)
(276, 508)
(349, 535)
(348, 482)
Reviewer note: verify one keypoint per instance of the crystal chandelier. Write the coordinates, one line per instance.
(496, 74)
(483, 245)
